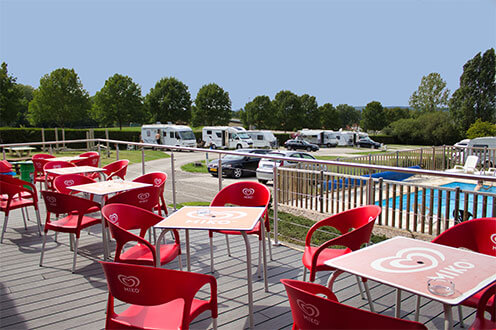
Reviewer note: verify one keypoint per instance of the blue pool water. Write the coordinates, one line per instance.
(436, 192)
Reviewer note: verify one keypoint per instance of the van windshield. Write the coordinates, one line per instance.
(187, 135)
(243, 136)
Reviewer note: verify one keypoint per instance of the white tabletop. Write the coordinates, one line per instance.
(65, 158)
(74, 170)
(108, 187)
(408, 264)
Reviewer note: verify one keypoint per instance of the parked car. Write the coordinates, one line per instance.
(367, 142)
(300, 144)
(265, 170)
(237, 166)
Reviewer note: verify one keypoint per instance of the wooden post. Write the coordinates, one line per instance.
(87, 141)
(43, 138)
(108, 144)
(56, 140)
(116, 151)
(63, 138)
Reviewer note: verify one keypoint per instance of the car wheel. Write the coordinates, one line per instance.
(213, 146)
(214, 175)
(329, 145)
(237, 173)
(262, 181)
(239, 146)
(309, 148)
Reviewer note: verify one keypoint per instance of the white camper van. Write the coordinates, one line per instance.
(172, 135)
(319, 137)
(263, 139)
(485, 149)
(225, 137)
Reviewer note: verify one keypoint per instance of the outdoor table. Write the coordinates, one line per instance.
(75, 170)
(407, 264)
(103, 188)
(65, 158)
(20, 150)
(236, 218)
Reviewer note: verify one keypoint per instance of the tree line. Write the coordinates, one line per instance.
(433, 117)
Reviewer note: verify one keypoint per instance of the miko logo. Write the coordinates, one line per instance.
(157, 182)
(113, 217)
(94, 161)
(52, 200)
(409, 260)
(493, 239)
(248, 192)
(143, 197)
(130, 283)
(69, 182)
(310, 312)
(57, 166)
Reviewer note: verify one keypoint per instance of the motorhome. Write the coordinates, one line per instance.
(319, 137)
(349, 138)
(485, 149)
(172, 135)
(263, 139)
(225, 137)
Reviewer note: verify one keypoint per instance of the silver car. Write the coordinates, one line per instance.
(265, 170)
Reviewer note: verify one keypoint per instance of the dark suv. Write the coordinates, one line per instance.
(367, 142)
(300, 144)
(237, 166)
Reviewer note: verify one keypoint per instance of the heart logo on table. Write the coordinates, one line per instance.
(129, 281)
(143, 196)
(113, 217)
(309, 309)
(409, 260)
(248, 191)
(69, 182)
(157, 182)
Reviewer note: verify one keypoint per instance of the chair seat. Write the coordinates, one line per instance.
(166, 316)
(474, 300)
(141, 255)
(325, 255)
(16, 203)
(68, 224)
(23, 194)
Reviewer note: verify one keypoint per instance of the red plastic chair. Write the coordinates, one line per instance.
(474, 235)
(49, 177)
(38, 164)
(42, 156)
(16, 196)
(146, 198)
(160, 298)
(311, 311)
(480, 321)
(115, 169)
(355, 226)
(158, 180)
(62, 183)
(244, 193)
(76, 219)
(121, 218)
(92, 159)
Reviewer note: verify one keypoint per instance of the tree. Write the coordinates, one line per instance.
(373, 117)
(60, 100)
(212, 106)
(259, 112)
(27, 94)
(10, 97)
(330, 117)
(393, 114)
(476, 97)
(480, 129)
(287, 106)
(310, 111)
(119, 101)
(169, 100)
(431, 95)
(349, 115)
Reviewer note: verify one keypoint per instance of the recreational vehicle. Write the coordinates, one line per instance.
(225, 137)
(263, 139)
(485, 149)
(172, 135)
(319, 137)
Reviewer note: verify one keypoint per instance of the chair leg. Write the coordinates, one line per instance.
(460, 315)
(227, 244)
(75, 255)
(43, 248)
(270, 246)
(4, 226)
(71, 242)
(367, 291)
(179, 260)
(304, 274)
(24, 219)
(359, 287)
(214, 324)
(55, 238)
(211, 255)
(259, 257)
(38, 220)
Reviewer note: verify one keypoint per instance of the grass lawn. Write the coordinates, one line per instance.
(191, 167)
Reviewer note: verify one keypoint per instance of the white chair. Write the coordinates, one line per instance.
(469, 166)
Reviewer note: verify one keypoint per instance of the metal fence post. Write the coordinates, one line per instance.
(43, 138)
(56, 140)
(142, 160)
(276, 202)
(100, 158)
(219, 171)
(117, 151)
(173, 174)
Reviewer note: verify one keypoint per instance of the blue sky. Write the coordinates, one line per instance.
(347, 51)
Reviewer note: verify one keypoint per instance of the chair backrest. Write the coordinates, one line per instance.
(42, 156)
(13, 190)
(92, 159)
(89, 154)
(311, 311)
(145, 198)
(57, 164)
(355, 225)
(471, 162)
(130, 217)
(18, 182)
(478, 235)
(155, 178)
(150, 286)
(59, 203)
(63, 182)
(117, 168)
(38, 164)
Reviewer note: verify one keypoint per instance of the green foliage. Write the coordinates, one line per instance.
(60, 100)
(193, 168)
(10, 97)
(212, 106)
(330, 117)
(287, 106)
(119, 101)
(169, 101)
(480, 129)
(310, 111)
(476, 97)
(431, 95)
(373, 117)
(432, 128)
(349, 115)
(394, 114)
(259, 112)
(27, 93)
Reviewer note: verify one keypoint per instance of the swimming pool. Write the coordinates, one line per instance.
(452, 201)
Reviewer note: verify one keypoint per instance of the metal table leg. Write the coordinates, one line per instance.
(248, 273)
